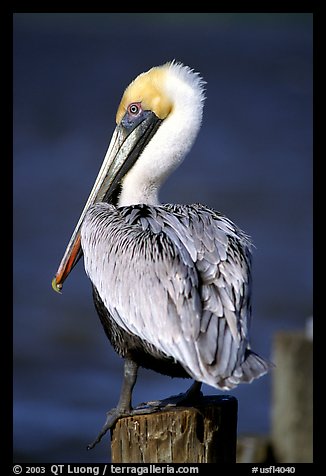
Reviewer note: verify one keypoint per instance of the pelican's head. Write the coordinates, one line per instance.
(158, 119)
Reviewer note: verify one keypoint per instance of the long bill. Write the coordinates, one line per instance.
(124, 149)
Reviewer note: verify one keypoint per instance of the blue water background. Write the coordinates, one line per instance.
(252, 161)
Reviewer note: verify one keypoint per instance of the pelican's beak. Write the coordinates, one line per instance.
(127, 143)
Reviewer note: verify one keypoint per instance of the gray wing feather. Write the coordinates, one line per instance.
(177, 277)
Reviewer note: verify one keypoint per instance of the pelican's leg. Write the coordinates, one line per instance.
(124, 405)
(187, 398)
(192, 394)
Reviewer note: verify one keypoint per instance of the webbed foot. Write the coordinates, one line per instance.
(190, 397)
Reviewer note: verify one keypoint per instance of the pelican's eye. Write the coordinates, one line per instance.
(134, 116)
(134, 109)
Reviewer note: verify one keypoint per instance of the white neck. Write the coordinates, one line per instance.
(171, 142)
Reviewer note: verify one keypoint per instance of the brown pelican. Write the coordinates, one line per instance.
(171, 283)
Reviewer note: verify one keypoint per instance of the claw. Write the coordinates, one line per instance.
(111, 418)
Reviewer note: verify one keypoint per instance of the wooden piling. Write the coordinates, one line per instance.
(292, 430)
(204, 433)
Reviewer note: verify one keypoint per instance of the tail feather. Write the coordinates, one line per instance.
(251, 368)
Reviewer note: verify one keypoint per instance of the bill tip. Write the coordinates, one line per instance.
(55, 286)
